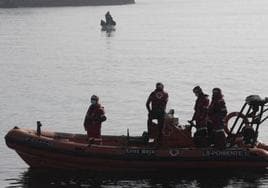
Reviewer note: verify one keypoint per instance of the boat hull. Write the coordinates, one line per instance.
(108, 28)
(74, 152)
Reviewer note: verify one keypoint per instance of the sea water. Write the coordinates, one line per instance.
(53, 59)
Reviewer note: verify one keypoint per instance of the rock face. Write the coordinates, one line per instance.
(55, 3)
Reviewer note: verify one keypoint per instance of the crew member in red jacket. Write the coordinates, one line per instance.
(217, 112)
(94, 117)
(200, 116)
(156, 106)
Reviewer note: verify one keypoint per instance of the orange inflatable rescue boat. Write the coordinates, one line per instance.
(41, 149)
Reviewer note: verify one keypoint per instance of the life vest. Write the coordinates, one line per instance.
(201, 109)
(217, 111)
(95, 115)
(159, 100)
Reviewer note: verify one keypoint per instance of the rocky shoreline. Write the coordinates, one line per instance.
(57, 3)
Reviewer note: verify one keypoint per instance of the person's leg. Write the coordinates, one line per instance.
(98, 131)
(94, 131)
(149, 125)
(89, 133)
(210, 133)
(220, 140)
(160, 121)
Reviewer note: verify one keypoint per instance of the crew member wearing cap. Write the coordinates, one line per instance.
(156, 106)
(216, 112)
(200, 117)
(94, 117)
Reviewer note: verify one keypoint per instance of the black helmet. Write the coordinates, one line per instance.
(216, 93)
(216, 90)
(94, 97)
(197, 89)
(159, 85)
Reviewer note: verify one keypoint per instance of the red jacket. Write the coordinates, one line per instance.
(217, 111)
(201, 109)
(159, 101)
(95, 116)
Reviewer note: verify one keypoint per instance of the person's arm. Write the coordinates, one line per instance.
(223, 109)
(204, 109)
(101, 117)
(166, 99)
(194, 115)
(193, 119)
(148, 102)
(87, 119)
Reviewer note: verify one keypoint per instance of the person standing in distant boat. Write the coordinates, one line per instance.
(200, 117)
(156, 106)
(216, 112)
(94, 117)
(109, 19)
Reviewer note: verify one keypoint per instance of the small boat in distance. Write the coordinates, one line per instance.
(109, 24)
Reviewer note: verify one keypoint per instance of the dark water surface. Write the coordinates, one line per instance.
(53, 59)
(186, 178)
